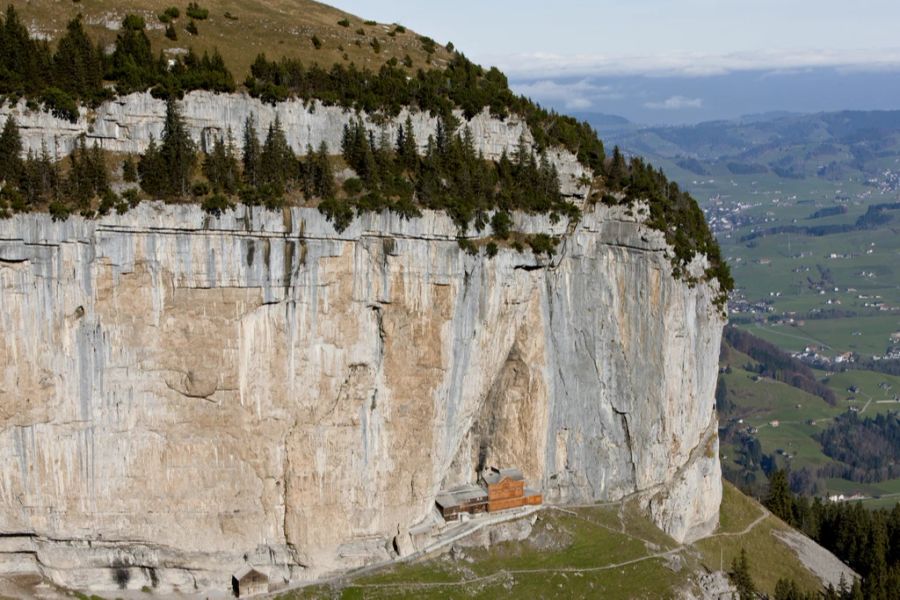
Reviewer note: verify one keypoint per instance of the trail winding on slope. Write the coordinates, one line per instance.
(503, 573)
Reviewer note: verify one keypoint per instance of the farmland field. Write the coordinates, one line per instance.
(805, 211)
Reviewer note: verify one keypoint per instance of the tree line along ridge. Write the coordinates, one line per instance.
(450, 176)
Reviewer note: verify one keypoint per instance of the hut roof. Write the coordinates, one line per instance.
(463, 494)
(248, 570)
(493, 475)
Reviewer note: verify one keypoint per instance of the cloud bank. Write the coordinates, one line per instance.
(536, 65)
(675, 103)
(574, 95)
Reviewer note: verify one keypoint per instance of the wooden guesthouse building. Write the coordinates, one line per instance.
(249, 582)
(498, 489)
(470, 499)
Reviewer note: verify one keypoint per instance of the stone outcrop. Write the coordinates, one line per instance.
(182, 394)
(127, 124)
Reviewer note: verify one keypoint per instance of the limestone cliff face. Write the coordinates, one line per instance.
(181, 394)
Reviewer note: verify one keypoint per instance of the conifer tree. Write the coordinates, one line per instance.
(221, 166)
(10, 152)
(166, 170)
(98, 173)
(129, 170)
(740, 577)
(368, 164)
(251, 154)
(88, 177)
(407, 148)
(278, 163)
(24, 62)
(77, 186)
(40, 180)
(177, 152)
(132, 65)
(77, 65)
(779, 499)
(505, 171)
(401, 140)
(522, 156)
(440, 137)
(307, 167)
(618, 171)
(787, 589)
(874, 556)
(152, 171)
(324, 186)
(549, 181)
(384, 155)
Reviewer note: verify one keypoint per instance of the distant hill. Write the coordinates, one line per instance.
(605, 122)
(832, 146)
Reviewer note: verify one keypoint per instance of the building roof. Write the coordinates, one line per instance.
(248, 570)
(464, 494)
(494, 475)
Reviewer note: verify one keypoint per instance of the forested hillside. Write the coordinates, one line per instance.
(868, 541)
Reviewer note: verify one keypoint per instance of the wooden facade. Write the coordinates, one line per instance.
(533, 498)
(507, 493)
(470, 499)
(506, 490)
(500, 489)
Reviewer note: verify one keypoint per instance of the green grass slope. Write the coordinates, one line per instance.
(604, 551)
(745, 524)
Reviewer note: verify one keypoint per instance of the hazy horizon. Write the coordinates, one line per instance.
(681, 100)
(658, 63)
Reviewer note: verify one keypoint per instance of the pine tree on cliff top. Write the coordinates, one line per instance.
(177, 151)
(221, 167)
(133, 66)
(40, 179)
(323, 185)
(278, 165)
(24, 62)
(77, 64)
(165, 170)
(151, 170)
(407, 148)
(10, 152)
(252, 153)
(88, 176)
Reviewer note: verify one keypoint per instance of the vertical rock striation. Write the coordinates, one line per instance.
(181, 394)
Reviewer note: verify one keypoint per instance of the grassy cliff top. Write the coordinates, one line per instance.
(241, 29)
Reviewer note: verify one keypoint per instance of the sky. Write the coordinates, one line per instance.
(587, 56)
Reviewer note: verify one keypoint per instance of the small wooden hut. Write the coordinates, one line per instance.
(249, 582)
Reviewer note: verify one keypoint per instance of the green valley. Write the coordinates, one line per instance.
(804, 208)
